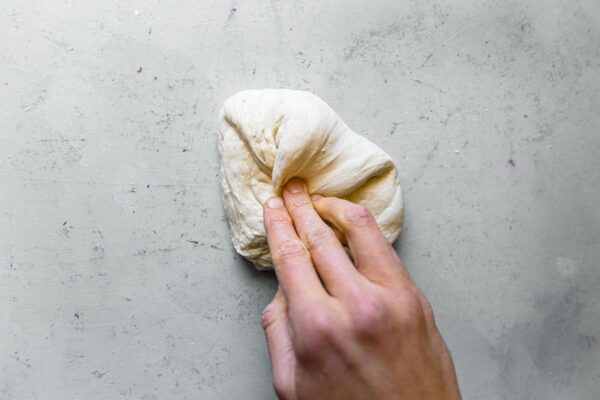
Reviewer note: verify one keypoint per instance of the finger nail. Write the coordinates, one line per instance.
(274, 202)
(295, 186)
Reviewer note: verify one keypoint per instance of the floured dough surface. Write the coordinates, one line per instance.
(269, 136)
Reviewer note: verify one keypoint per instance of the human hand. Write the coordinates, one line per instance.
(343, 329)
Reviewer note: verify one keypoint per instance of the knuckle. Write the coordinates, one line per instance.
(317, 236)
(279, 219)
(288, 250)
(411, 315)
(282, 388)
(316, 333)
(319, 323)
(299, 203)
(427, 311)
(370, 317)
(359, 216)
(425, 305)
(268, 316)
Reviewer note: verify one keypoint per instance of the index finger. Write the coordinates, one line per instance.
(291, 260)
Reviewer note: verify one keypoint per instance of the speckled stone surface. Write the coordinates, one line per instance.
(117, 276)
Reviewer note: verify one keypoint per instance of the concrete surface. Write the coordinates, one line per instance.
(117, 277)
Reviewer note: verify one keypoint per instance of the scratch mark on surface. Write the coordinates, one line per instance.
(232, 13)
(62, 140)
(99, 374)
(39, 101)
(395, 126)
(431, 154)
(448, 40)
(420, 82)
(26, 364)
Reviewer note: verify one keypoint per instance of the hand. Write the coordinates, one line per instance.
(343, 329)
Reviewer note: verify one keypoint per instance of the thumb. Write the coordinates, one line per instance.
(275, 324)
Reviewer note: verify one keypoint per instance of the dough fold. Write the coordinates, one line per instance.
(267, 137)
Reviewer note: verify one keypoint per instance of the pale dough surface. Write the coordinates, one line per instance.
(269, 136)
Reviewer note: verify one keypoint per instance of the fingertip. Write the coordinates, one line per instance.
(272, 210)
(295, 186)
(274, 202)
(322, 205)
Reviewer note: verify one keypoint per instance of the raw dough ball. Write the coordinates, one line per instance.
(269, 136)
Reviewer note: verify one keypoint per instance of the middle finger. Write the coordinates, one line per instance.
(333, 265)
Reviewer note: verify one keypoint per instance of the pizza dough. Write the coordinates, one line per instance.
(269, 136)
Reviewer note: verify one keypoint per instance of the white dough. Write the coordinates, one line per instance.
(269, 136)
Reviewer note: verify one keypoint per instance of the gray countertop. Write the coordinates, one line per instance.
(117, 276)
